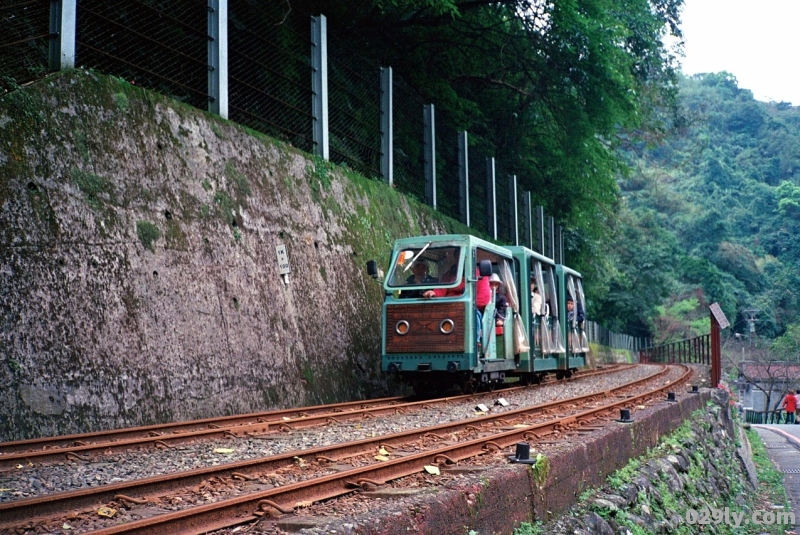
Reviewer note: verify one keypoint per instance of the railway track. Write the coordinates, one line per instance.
(323, 476)
(84, 446)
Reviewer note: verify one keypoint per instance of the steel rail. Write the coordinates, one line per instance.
(49, 505)
(234, 511)
(164, 435)
(112, 435)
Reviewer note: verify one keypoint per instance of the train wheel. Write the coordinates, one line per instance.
(568, 374)
(560, 374)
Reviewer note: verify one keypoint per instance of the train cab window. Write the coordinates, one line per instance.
(427, 267)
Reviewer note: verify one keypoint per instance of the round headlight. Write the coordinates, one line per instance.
(447, 326)
(402, 327)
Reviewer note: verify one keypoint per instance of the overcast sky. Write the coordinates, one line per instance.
(758, 41)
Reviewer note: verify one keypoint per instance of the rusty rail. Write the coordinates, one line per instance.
(50, 505)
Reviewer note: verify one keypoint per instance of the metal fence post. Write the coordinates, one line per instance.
(551, 238)
(463, 176)
(387, 127)
(218, 57)
(430, 154)
(491, 199)
(63, 20)
(527, 238)
(513, 216)
(560, 245)
(319, 85)
(540, 247)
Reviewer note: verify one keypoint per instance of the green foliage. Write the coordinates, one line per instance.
(91, 185)
(148, 233)
(526, 528)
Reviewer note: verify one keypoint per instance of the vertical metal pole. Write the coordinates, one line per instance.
(387, 126)
(513, 213)
(319, 85)
(491, 199)
(716, 361)
(540, 247)
(551, 240)
(560, 244)
(63, 21)
(430, 154)
(527, 220)
(463, 176)
(218, 57)
(54, 51)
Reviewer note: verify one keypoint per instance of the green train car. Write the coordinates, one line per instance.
(439, 323)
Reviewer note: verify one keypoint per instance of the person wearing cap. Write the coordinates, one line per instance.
(500, 300)
(419, 276)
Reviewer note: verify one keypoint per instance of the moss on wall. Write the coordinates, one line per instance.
(138, 251)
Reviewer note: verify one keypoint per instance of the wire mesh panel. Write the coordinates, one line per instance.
(157, 44)
(409, 140)
(477, 189)
(269, 70)
(24, 41)
(447, 186)
(503, 205)
(354, 109)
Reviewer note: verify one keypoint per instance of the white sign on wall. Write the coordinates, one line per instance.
(283, 260)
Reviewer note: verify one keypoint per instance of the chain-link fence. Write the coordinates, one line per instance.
(409, 140)
(354, 109)
(448, 195)
(269, 70)
(24, 42)
(160, 45)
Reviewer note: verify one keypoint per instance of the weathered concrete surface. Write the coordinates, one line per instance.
(138, 271)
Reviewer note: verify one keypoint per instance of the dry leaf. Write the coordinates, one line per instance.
(66, 526)
(107, 512)
(381, 458)
(432, 469)
(224, 450)
(383, 451)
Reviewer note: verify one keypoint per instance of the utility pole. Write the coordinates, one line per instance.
(751, 323)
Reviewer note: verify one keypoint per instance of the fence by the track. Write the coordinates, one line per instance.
(267, 66)
(695, 350)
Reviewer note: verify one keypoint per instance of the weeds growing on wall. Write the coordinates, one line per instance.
(148, 233)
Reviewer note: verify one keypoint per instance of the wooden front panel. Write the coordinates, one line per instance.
(424, 335)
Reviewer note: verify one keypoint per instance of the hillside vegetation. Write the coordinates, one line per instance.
(711, 215)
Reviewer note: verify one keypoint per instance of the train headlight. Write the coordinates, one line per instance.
(447, 326)
(402, 327)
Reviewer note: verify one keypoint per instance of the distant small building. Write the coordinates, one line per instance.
(756, 378)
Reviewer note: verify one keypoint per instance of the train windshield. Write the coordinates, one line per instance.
(428, 266)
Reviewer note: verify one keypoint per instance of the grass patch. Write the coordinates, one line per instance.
(148, 233)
